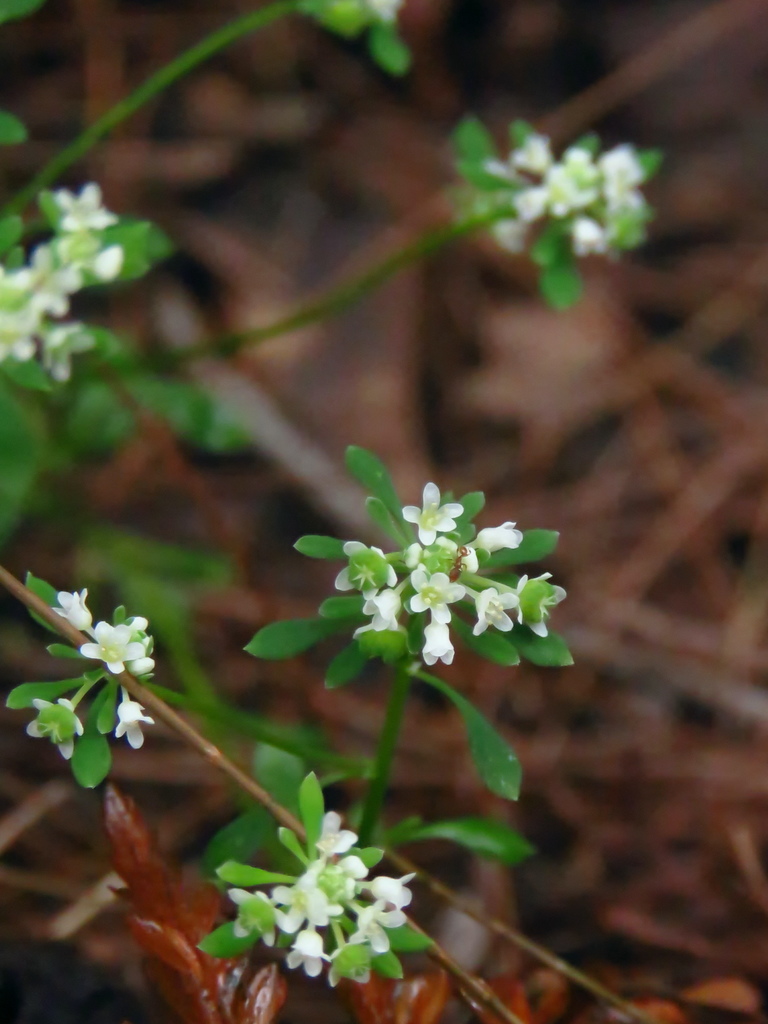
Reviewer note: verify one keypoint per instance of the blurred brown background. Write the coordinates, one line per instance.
(635, 425)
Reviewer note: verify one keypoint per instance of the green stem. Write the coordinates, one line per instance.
(148, 90)
(338, 299)
(382, 764)
(251, 725)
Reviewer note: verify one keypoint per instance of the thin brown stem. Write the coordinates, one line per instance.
(471, 987)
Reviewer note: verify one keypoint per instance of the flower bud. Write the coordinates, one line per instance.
(352, 961)
(256, 914)
(56, 721)
(388, 644)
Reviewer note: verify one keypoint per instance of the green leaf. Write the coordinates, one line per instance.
(49, 207)
(549, 651)
(11, 230)
(473, 142)
(105, 720)
(491, 645)
(143, 245)
(650, 160)
(311, 809)
(406, 939)
(27, 374)
(477, 175)
(64, 651)
(291, 637)
(494, 759)
(18, 8)
(316, 546)
(23, 695)
(483, 836)
(238, 840)
(290, 841)
(369, 855)
(473, 503)
(21, 453)
(387, 965)
(378, 513)
(552, 246)
(590, 142)
(561, 284)
(346, 666)
(280, 773)
(535, 545)
(371, 472)
(244, 875)
(92, 758)
(388, 49)
(44, 590)
(12, 130)
(342, 607)
(223, 941)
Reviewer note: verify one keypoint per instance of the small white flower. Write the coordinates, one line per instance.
(385, 10)
(393, 890)
(432, 518)
(52, 284)
(572, 184)
(491, 607)
(510, 234)
(334, 839)
(372, 922)
(494, 538)
(535, 601)
(108, 264)
(256, 914)
(60, 343)
(308, 953)
(588, 237)
(384, 607)
(434, 593)
(114, 646)
(437, 644)
(84, 212)
(534, 156)
(129, 716)
(531, 203)
(73, 608)
(57, 722)
(305, 902)
(368, 569)
(500, 169)
(413, 555)
(622, 173)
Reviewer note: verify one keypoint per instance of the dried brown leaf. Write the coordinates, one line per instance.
(417, 1000)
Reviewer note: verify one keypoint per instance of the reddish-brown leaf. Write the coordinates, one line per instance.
(511, 992)
(264, 997)
(167, 944)
(417, 1000)
(548, 994)
(726, 994)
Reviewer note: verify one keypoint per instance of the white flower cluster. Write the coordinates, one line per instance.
(331, 894)
(125, 645)
(598, 197)
(440, 571)
(60, 723)
(35, 296)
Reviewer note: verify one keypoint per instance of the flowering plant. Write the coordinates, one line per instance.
(585, 203)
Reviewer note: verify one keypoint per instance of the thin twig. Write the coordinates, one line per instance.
(469, 984)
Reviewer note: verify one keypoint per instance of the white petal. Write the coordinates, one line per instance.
(66, 748)
(431, 495)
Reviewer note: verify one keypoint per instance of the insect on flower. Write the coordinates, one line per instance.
(458, 565)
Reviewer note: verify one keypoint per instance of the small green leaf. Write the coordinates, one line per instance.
(311, 808)
(238, 840)
(291, 637)
(316, 546)
(483, 836)
(63, 651)
(243, 874)
(23, 695)
(342, 607)
(223, 941)
(369, 855)
(535, 545)
(494, 759)
(371, 472)
(92, 758)
(290, 841)
(491, 645)
(143, 244)
(388, 49)
(552, 246)
(473, 142)
(387, 965)
(473, 503)
(18, 8)
(561, 284)
(477, 175)
(12, 130)
(550, 651)
(346, 666)
(11, 230)
(650, 160)
(105, 721)
(590, 142)
(49, 208)
(280, 773)
(519, 132)
(406, 939)
(43, 589)
(378, 513)
(28, 374)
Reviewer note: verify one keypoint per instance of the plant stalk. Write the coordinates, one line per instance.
(382, 765)
(148, 90)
